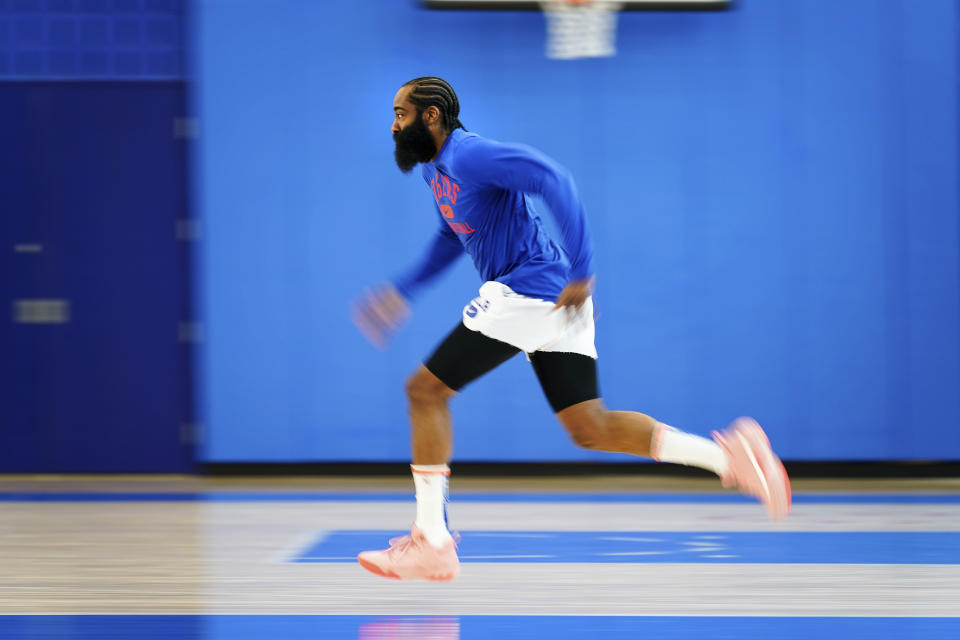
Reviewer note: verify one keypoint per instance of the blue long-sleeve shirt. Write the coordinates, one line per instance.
(482, 190)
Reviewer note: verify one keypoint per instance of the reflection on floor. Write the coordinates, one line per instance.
(304, 627)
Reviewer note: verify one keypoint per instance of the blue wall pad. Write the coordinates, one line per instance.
(771, 191)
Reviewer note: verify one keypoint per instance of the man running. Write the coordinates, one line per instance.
(536, 298)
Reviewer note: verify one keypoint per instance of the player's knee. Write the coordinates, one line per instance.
(587, 429)
(424, 387)
(584, 436)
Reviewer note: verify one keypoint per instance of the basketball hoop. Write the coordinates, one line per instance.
(581, 28)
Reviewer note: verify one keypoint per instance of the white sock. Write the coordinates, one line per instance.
(430, 481)
(672, 445)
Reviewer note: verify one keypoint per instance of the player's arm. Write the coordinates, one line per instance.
(442, 252)
(521, 168)
(381, 311)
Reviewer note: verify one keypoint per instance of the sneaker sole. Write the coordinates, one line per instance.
(770, 465)
(376, 570)
(372, 568)
(444, 578)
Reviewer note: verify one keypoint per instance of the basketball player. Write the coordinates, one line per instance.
(536, 298)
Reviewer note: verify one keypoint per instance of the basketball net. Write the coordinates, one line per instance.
(581, 28)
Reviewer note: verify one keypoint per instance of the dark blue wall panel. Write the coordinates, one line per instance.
(92, 183)
(772, 192)
(91, 39)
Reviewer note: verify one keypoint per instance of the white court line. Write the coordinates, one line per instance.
(629, 539)
(511, 535)
(533, 555)
(287, 552)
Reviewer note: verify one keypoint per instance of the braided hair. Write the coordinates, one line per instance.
(431, 91)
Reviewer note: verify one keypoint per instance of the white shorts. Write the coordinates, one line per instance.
(530, 324)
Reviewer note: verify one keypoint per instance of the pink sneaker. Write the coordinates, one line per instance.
(753, 467)
(410, 557)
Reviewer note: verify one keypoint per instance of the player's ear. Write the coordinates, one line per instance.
(431, 115)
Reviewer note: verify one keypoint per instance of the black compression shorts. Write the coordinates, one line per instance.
(465, 355)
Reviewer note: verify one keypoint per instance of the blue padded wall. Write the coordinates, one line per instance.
(772, 193)
(92, 190)
(93, 178)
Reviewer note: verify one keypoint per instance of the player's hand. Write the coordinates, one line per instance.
(575, 294)
(379, 313)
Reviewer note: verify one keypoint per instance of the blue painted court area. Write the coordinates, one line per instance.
(860, 547)
(300, 627)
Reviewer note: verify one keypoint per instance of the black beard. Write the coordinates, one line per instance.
(414, 144)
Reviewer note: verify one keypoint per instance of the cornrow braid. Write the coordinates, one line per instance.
(431, 91)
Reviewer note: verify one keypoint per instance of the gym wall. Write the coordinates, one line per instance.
(772, 193)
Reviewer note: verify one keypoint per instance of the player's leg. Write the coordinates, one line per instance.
(461, 358)
(431, 438)
(593, 426)
(741, 456)
(569, 380)
(429, 551)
